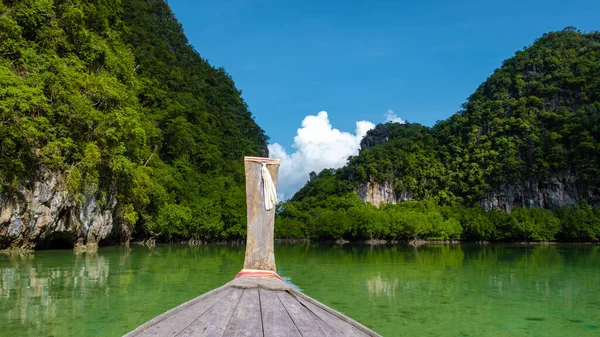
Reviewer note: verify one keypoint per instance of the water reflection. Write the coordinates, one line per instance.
(35, 287)
(58, 293)
(395, 290)
(381, 288)
(455, 290)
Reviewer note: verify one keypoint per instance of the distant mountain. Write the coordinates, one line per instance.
(528, 137)
(112, 125)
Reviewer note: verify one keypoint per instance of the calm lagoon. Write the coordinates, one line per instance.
(396, 290)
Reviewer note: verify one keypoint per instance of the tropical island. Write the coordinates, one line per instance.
(115, 129)
(519, 163)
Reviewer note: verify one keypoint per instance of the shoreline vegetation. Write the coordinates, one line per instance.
(372, 243)
(115, 130)
(347, 218)
(108, 110)
(518, 163)
(151, 244)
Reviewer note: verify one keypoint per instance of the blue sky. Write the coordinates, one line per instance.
(358, 59)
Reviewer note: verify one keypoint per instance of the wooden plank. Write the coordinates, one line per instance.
(273, 284)
(276, 320)
(260, 237)
(245, 282)
(246, 320)
(214, 321)
(336, 320)
(268, 283)
(263, 160)
(173, 321)
(306, 322)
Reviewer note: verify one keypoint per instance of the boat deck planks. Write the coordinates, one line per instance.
(304, 319)
(246, 320)
(338, 322)
(276, 320)
(174, 321)
(215, 320)
(252, 306)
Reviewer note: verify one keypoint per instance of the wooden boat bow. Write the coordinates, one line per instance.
(257, 302)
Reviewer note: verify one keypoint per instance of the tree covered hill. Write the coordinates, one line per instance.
(529, 136)
(103, 100)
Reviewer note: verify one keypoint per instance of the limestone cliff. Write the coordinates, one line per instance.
(552, 193)
(528, 136)
(45, 215)
(383, 193)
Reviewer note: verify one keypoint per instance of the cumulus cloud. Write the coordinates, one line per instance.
(390, 116)
(317, 146)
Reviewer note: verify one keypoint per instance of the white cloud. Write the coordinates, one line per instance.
(390, 116)
(318, 145)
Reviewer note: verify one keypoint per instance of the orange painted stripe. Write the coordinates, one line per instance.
(258, 273)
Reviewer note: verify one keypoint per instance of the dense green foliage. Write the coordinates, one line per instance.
(345, 216)
(536, 117)
(110, 93)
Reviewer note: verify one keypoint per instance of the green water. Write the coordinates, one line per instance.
(467, 290)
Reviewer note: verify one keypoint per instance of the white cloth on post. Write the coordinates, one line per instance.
(269, 188)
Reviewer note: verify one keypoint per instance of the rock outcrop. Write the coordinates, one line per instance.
(377, 136)
(551, 193)
(383, 193)
(45, 215)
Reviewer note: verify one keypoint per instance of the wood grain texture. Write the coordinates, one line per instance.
(341, 323)
(253, 306)
(259, 282)
(273, 284)
(276, 320)
(215, 320)
(173, 321)
(260, 252)
(306, 322)
(245, 282)
(265, 160)
(246, 320)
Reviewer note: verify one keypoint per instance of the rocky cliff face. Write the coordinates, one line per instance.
(554, 192)
(46, 216)
(379, 135)
(383, 193)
